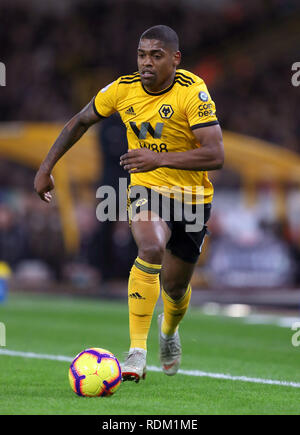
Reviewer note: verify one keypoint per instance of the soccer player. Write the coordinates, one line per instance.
(174, 138)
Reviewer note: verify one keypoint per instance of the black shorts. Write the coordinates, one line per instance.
(184, 243)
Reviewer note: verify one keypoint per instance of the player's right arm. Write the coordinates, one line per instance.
(71, 133)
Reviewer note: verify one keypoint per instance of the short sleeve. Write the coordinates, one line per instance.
(105, 101)
(200, 108)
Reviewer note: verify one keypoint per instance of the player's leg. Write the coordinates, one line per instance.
(181, 256)
(144, 288)
(144, 279)
(176, 290)
(176, 294)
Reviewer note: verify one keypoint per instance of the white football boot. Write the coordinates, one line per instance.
(134, 367)
(169, 350)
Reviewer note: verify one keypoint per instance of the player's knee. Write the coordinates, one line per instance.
(152, 252)
(175, 290)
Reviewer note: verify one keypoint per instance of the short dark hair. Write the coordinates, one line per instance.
(163, 33)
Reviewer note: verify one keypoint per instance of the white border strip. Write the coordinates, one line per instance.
(196, 373)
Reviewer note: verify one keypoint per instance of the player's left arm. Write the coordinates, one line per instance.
(209, 156)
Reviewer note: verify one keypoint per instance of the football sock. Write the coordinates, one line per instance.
(143, 293)
(174, 310)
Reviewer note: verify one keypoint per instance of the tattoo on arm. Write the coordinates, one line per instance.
(70, 134)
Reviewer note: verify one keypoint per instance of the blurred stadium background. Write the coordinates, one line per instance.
(58, 54)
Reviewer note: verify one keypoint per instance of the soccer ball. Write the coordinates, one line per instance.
(95, 372)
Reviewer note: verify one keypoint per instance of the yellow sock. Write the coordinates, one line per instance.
(143, 293)
(174, 310)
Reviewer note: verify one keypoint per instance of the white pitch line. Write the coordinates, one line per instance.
(35, 355)
(196, 373)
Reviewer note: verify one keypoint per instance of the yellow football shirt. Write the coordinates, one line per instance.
(163, 122)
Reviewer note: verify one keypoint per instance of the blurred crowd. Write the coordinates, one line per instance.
(31, 237)
(29, 231)
(261, 102)
(58, 54)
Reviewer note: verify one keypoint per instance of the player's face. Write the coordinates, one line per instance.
(157, 64)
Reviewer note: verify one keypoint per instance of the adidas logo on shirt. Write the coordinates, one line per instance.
(130, 111)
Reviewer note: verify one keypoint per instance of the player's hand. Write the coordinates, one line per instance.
(140, 160)
(43, 183)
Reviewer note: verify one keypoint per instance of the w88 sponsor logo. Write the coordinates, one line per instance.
(205, 110)
(159, 148)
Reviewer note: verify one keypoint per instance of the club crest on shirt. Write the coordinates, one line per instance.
(166, 111)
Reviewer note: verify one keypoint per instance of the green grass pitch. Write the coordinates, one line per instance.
(65, 326)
